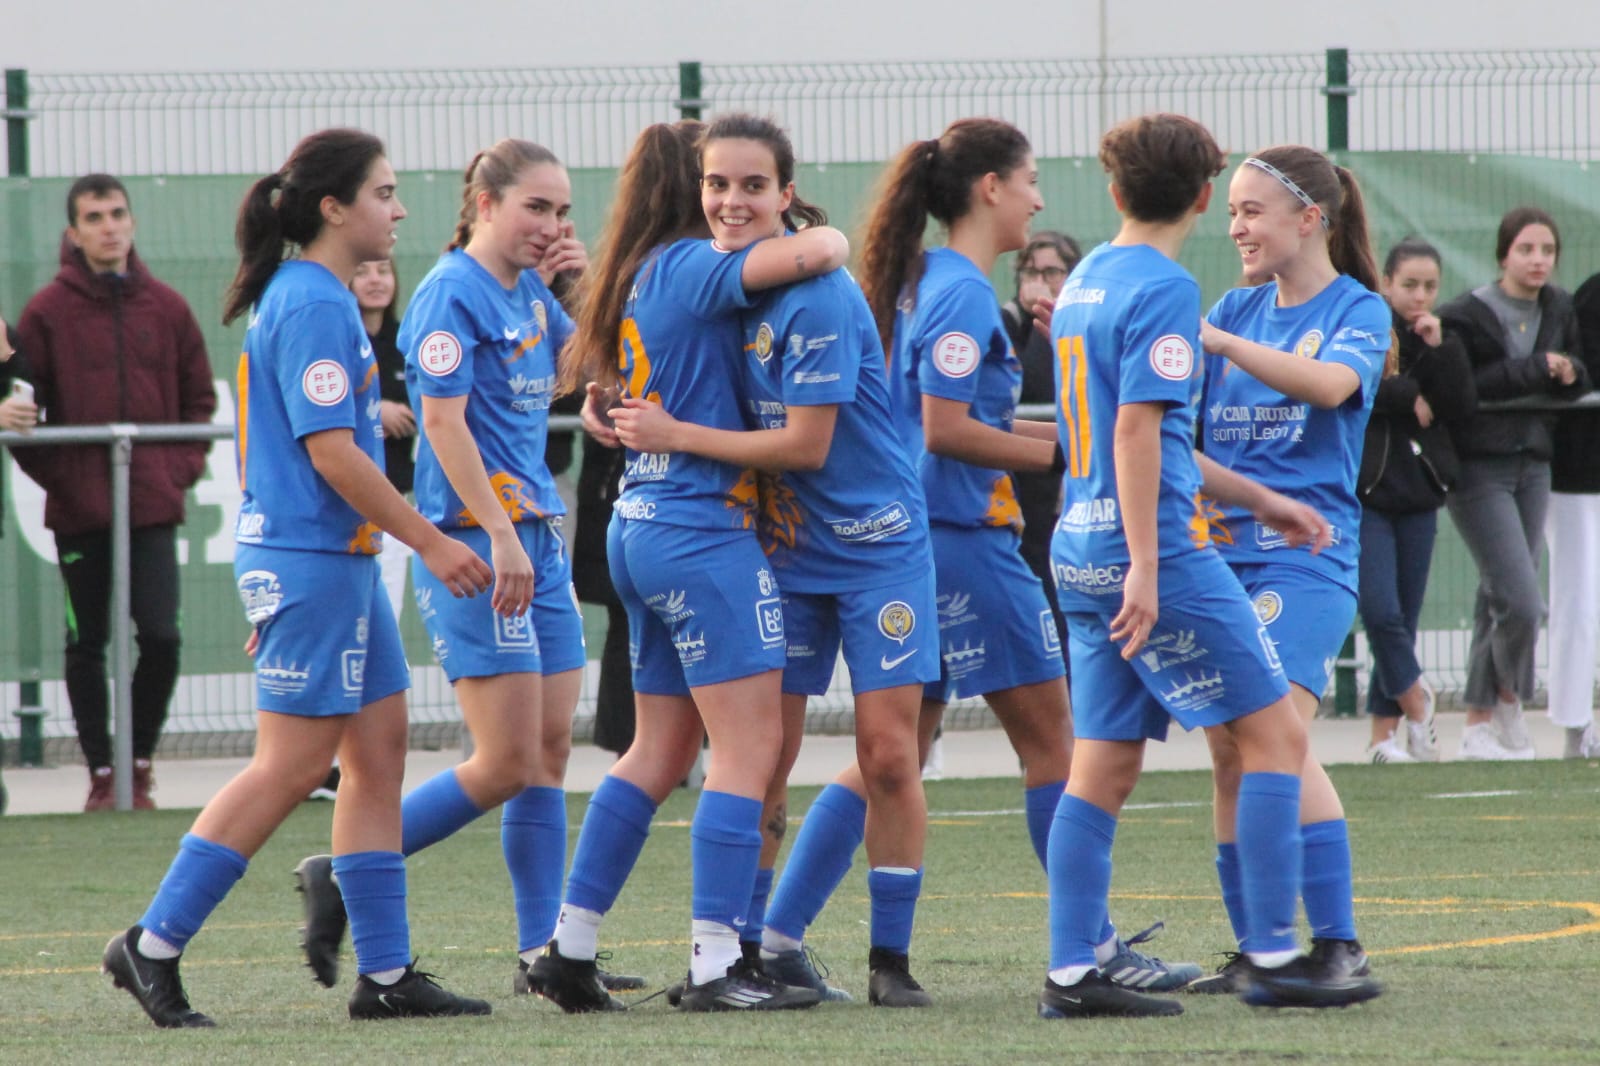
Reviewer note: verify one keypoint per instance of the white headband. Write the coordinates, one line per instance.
(1288, 183)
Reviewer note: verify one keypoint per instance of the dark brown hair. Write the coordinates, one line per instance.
(1159, 163)
(747, 127)
(934, 178)
(285, 207)
(1514, 222)
(657, 200)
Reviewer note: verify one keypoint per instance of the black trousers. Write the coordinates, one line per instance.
(613, 711)
(85, 561)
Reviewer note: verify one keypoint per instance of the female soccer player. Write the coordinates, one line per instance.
(330, 673)
(845, 528)
(1522, 337)
(953, 380)
(1292, 368)
(1157, 626)
(704, 612)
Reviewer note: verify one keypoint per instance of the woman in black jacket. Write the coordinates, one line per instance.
(1407, 465)
(1522, 339)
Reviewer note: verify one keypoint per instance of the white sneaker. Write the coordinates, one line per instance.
(1481, 743)
(1584, 745)
(1511, 728)
(933, 769)
(1422, 739)
(1389, 750)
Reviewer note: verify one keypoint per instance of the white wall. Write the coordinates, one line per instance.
(81, 36)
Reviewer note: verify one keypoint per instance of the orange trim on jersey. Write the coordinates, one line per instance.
(242, 387)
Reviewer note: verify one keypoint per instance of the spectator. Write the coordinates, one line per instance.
(1574, 535)
(107, 342)
(377, 290)
(1407, 466)
(1042, 268)
(18, 412)
(1522, 339)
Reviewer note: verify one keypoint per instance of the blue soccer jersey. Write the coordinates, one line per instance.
(680, 346)
(464, 334)
(306, 367)
(949, 341)
(1126, 329)
(1304, 452)
(862, 516)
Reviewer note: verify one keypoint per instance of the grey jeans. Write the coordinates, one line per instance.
(1499, 509)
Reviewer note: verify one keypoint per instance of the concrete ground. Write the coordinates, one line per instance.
(182, 783)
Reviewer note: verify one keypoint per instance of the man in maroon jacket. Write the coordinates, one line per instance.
(107, 342)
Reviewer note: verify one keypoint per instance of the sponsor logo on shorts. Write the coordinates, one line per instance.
(896, 620)
(764, 582)
(353, 666)
(515, 632)
(691, 649)
(671, 607)
(769, 620)
(424, 598)
(959, 662)
(1269, 606)
(1197, 689)
(261, 593)
(1269, 649)
(1173, 648)
(441, 649)
(953, 609)
(282, 680)
(1047, 628)
(887, 663)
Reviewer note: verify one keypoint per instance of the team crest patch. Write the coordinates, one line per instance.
(956, 355)
(439, 353)
(764, 343)
(540, 315)
(1172, 357)
(1269, 605)
(1309, 345)
(896, 620)
(325, 383)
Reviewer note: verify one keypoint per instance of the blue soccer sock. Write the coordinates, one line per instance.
(1232, 889)
(1081, 836)
(755, 918)
(724, 848)
(1268, 834)
(894, 891)
(833, 829)
(533, 838)
(373, 884)
(1040, 802)
(1327, 886)
(433, 810)
(614, 830)
(200, 875)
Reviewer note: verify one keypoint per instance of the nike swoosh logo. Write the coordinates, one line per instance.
(511, 333)
(1071, 999)
(366, 351)
(889, 664)
(383, 997)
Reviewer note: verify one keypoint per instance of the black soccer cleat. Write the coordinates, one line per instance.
(1306, 982)
(744, 988)
(1341, 956)
(416, 995)
(153, 982)
(1229, 979)
(617, 982)
(325, 917)
(572, 984)
(889, 981)
(1097, 996)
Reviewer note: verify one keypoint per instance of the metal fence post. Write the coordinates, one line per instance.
(689, 102)
(17, 116)
(1338, 92)
(121, 611)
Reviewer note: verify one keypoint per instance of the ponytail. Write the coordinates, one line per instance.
(469, 208)
(286, 208)
(258, 235)
(891, 257)
(1312, 177)
(1349, 243)
(928, 178)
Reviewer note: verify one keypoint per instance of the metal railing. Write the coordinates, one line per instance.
(1544, 103)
